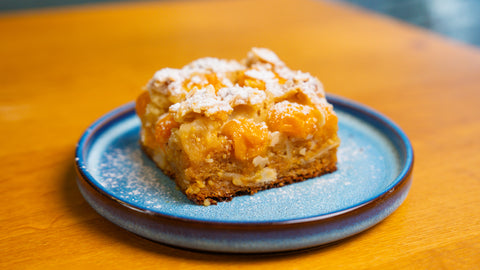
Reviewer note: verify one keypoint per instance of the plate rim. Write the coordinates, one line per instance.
(125, 110)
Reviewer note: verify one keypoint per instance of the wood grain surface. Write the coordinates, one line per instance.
(61, 69)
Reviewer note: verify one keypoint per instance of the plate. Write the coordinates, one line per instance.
(375, 161)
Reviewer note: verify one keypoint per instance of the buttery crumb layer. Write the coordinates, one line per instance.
(222, 188)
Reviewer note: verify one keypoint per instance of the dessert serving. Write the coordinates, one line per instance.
(222, 128)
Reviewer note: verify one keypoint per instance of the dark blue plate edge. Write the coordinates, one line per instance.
(401, 182)
(270, 234)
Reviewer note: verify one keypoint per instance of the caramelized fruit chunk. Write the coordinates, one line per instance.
(249, 138)
(163, 128)
(141, 103)
(213, 80)
(254, 83)
(244, 80)
(281, 80)
(295, 120)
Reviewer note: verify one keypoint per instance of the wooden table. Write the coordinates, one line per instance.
(61, 69)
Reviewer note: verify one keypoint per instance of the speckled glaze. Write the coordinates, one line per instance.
(375, 162)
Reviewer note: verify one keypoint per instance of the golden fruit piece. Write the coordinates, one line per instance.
(244, 80)
(292, 119)
(163, 128)
(250, 139)
(141, 104)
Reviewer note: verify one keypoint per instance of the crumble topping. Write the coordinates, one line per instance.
(211, 64)
(265, 55)
(238, 95)
(190, 88)
(166, 81)
(203, 101)
(266, 76)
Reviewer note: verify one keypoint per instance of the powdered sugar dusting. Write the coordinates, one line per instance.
(237, 95)
(166, 81)
(263, 75)
(117, 175)
(285, 107)
(210, 64)
(202, 101)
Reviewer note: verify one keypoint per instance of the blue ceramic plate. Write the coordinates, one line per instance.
(375, 162)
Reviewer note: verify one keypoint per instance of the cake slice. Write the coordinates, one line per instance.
(222, 128)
